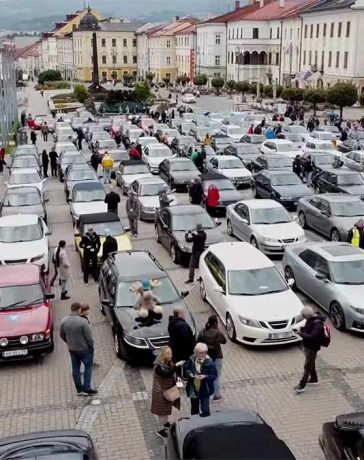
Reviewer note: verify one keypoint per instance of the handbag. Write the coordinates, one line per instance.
(172, 394)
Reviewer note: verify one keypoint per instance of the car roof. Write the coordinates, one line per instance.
(179, 160)
(277, 172)
(341, 172)
(19, 274)
(22, 190)
(240, 256)
(336, 251)
(98, 218)
(88, 185)
(183, 209)
(157, 146)
(132, 162)
(132, 265)
(24, 171)
(261, 204)
(212, 175)
(19, 219)
(150, 180)
(337, 197)
(227, 157)
(280, 141)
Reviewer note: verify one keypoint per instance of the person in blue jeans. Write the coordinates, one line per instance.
(76, 332)
(200, 371)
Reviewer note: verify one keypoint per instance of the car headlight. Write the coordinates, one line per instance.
(135, 341)
(249, 322)
(24, 339)
(297, 319)
(34, 259)
(37, 337)
(357, 310)
(3, 342)
(270, 240)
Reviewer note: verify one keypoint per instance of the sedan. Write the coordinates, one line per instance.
(271, 162)
(321, 160)
(312, 145)
(235, 132)
(188, 99)
(350, 144)
(332, 215)
(67, 159)
(78, 173)
(26, 161)
(227, 191)
(129, 171)
(331, 274)
(232, 167)
(282, 186)
(87, 198)
(171, 225)
(178, 172)
(26, 149)
(154, 154)
(23, 200)
(246, 152)
(65, 147)
(340, 181)
(105, 145)
(281, 146)
(255, 139)
(25, 177)
(265, 224)
(354, 160)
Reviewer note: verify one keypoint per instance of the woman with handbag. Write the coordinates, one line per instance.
(200, 371)
(165, 393)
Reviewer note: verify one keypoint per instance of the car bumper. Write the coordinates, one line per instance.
(289, 204)
(242, 182)
(41, 262)
(147, 215)
(264, 337)
(278, 248)
(28, 351)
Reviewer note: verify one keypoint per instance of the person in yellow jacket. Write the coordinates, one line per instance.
(356, 234)
(207, 140)
(107, 165)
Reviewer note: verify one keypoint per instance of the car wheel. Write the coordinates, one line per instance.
(229, 228)
(203, 290)
(288, 275)
(157, 237)
(51, 346)
(123, 190)
(230, 328)
(335, 235)
(119, 347)
(302, 220)
(255, 192)
(175, 254)
(254, 242)
(337, 316)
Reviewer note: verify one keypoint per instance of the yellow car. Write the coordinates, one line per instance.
(100, 222)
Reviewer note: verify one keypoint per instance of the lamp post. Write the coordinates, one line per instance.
(274, 91)
(238, 60)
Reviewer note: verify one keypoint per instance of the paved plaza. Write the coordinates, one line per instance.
(40, 395)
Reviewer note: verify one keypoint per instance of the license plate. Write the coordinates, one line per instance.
(280, 335)
(8, 354)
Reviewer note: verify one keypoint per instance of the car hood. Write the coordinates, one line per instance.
(213, 236)
(39, 185)
(24, 321)
(269, 307)
(353, 294)
(346, 223)
(128, 179)
(25, 250)
(235, 172)
(230, 196)
(33, 209)
(353, 189)
(286, 230)
(297, 191)
(71, 183)
(155, 162)
(88, 207)
(184, 175)
(153, 201)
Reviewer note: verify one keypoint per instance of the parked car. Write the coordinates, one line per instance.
(87, 198)
(235, 132)
(322, 160)
(76, 174)
(188, 99)
(199, 132)
(311, 145)
(219, 142)
(24, 200)
(282, 186)
(154, 154)
(61, 147)
(323, 135)
(265, 224)
(332, 275)
(246, 152)
(103, 146)
(296, 129)
(134, 339)
(171, 225)
(26, 149)
(271, 162)
(332, 215)
(232, 167)
(227, 191)
(129, 171)
(178, 172)
(340, 181)
(249, 294)
(354, 160)
(24, 162)
(256, 139)
(30, 177)
(350, 144)
(295, 138)
(281, 146)
(67, 158)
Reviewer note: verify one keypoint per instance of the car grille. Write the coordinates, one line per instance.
(278, 324)
(159, 342)
(19, 261)
(288, 240)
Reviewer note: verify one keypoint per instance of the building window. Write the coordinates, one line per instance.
(103, 59)
(348, 29)
(290, 33)
(229, 34)
(168, 43)
(269, 58)
(322, 60)
(311, 30)
(337, 58)
(168, 60)
(114, 59)
(125, 42)
(255, 32)
(315, 58)
(298, 32)
(330, 59)
(332, 29)
(134, 42)
(324, 31)
(217, 60)
(241, 33)
(277, 59)
(346, 58)
(317, 30)
(135, 59)
(113, 42)
(285, 33)
(103, 43)
(104, 75)
(125, 59)
(309, 57)
(270, 32)
(304, 57)
(168, 75)
(339, 29)
(306, 31)
(217, 39)
(277, 32)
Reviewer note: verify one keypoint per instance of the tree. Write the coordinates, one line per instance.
(49, 75)
(253, 88)
(315, 96)
(230, 85)
(149, 76)
(183, 79)
(90, 105)
(268, 91)
(242, 87)
(167, 80)
(292, 94)
(142, 91)
(127, 78)
(217, 83)
(81, 94)
(200, 80)
(342, 95)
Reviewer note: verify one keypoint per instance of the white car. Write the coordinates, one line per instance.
(87, 198)
(296, 129)
(312, 145)
(323, 135)
(65, 147)
(232, 167)
(188, 99)
(134, 133)
(26, 149)
(20, 177)
(154, 154)
(171, 134)
(249, 294)
(24, 239)
(235, 132)
(281, 146)
(265, 224)
(129, 172)
(147, 140)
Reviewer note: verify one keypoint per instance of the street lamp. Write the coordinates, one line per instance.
(238, 60)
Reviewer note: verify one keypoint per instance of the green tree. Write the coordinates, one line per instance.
(81, 94)
(315, 96)
(292, 94)
(342, 95)
(127, 78)
(149, 77)
(217, 83)
(167, 80)
(142, 91)
(90, 105)
(268, 91)
(230, 85)
(200, 80)
(242, 87)
(182, 79)
(49, 75)
(253, 88)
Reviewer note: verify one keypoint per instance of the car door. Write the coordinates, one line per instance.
(221, 302)
(350, 160)
(242, 228)
(210, 282)
(164, 221)
(312, 212)
(322, 221)
(305, 272)
(266, 186)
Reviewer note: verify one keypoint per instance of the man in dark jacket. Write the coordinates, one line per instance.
(90, 243)
(181, 338)
(95, 160)
(53, 159)
(198, 241)
(312, 335)
(112, 199)
(196, 191)
(164, 200)
(110, 245)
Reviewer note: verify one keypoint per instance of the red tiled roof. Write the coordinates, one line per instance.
(191, 29)
(32, 50)
(274, 11)
(235, 15)
(175, 27)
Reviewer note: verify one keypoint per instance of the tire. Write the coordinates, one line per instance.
(203, 290)
(337, 316)
(255, 193)
(51, 346)
(288, 274)
(302, 220)
(335, 235)
(254, 242)
(119, 347)
(176, 254)
(229, 228)
(230, 328)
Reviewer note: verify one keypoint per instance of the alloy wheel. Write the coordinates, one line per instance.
(337, 316)
(302, 220)
(335, 235)
(229, 228)
(230, 328)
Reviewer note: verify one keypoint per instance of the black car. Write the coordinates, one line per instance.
(271, 161)
(344, 438)
(340, 181)
(178, 172)
(58, 444)
(246, 152)
(172, 223)
(230, 434)
(351, 144)
(254, 139)
(137, 339)
(282, 186)
(227, 190)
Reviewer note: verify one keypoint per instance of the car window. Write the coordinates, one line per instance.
(242, 211)
(308, 257)
(350, 155)
(216, 269)
(315, 202)
(316, 262)
(357, 157)
(324, 206)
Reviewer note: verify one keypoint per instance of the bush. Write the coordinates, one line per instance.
(253, 88)
(81, 93)
(292, 94)
(90, 105)
(49, 75)
(142, 92)
(342, 95)
(200, 80)
(242, 87)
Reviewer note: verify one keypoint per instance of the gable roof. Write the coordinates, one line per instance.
(273, 10)
(325, 5)
(190, 29)
(32, 50)
(176, 26)
(235, 15)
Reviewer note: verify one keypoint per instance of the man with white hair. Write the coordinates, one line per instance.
(109, 246)
(312, 334)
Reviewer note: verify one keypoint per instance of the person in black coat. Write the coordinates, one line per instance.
(181, 337)
(94, 160)
(296, 166)
(196, 191)
(53, 158)
(90, 243)
(110, 245)
(45, 162)
(112, 199)
(33, 137)
(198, 240)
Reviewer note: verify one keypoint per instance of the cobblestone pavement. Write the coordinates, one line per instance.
(40, 395)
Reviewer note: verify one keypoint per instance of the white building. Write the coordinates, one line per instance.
(143, 48)
(186, 43)
(28, 59)
(211, 48)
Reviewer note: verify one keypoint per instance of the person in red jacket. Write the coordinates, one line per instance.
(213, 197)
(2, 159)
(251, 129)
(134, 153)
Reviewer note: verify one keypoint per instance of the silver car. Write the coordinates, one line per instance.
(354, 160)
(333, 215)
(332, 274)
(23, 200)
(265, 224)
(78, 173)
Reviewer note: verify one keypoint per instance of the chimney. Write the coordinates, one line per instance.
(282, 3)
(261, 3)
(237, 5)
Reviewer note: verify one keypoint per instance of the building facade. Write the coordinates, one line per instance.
(29, 59)
(8, 98)
(186, 44)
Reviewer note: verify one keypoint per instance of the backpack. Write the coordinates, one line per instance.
(326, 336)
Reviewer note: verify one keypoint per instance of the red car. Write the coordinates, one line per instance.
(36, 123)
(26, 323)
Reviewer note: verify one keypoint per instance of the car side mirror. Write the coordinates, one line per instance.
(320, 276)
(49, 295)
(290, 282)
(105, 302)
(218, 222)
(220, 290)
(295, 217)
(48, 233)
(184, 294)
(245, 221)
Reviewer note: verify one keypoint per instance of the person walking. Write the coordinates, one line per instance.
(312, 334)
(134, 153)
(95, 160)
(133, 212)
(53, 159)
(107, 165)
(214, 338)
(112, 199)
(181, 337)
(76, 333)
(109, 246)
(213, 198)
(33, 137)
(198, 241)
(45, 131)
(2, 159)
(165, 394)
(164, 200)
(80, 136)
(90, 243)
(45, 162)
(63, 267)
(296, 166)
(308, 168)
(356, 234)
(201, 373)
(23, 119)
(195, 191)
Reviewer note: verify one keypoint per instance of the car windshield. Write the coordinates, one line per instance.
(186, 222)
(126, 297)
(25, 151)
(255, 282)
(233, 163)
(279, 162)
(257, 139)
(81, 174)
(159, 153)
(293, 137)
(116, 156)
(22, 199)
(298, 129)
(20, 296)
(348, 272)
(221, 184)
(151, 189)
(72, 158)
(324, 136)
(347, 208)
(100, 135)
(286, 147)
(350, 179)
(270, 216)
(328, 146)
(147, 140)
(21, 233)
(24, 178)
(89, 195)
(115, 228)
(236, 130)
(286, 179)
(106, 144)
(183, 166)
(25, 162)
(322, 159)
(135, 169)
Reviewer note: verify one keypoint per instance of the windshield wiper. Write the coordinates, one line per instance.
(15, 304)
